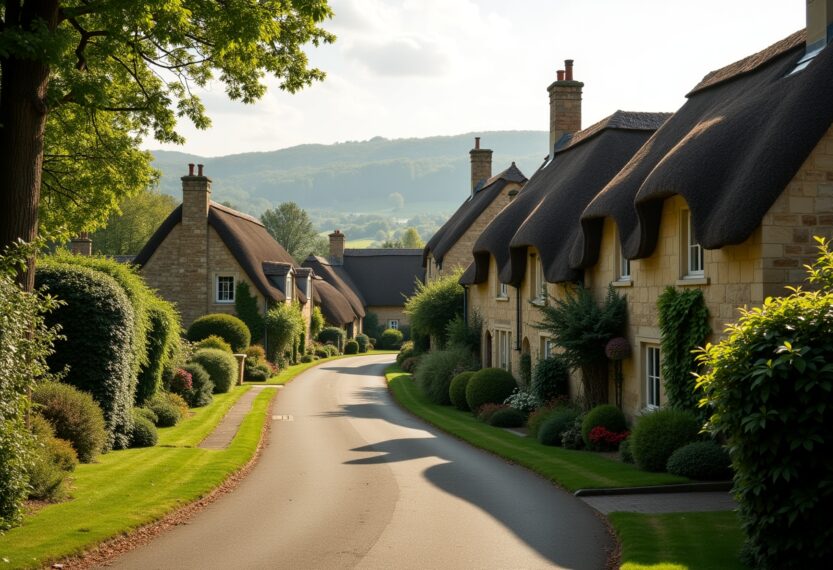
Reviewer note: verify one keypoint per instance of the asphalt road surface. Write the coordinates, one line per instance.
(350, 480)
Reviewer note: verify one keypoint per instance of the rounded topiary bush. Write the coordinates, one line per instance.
(436, 370)
(258, 373)
(558, 421)
(332, 335)
(144, 432)
(214, 341)
(607, 416)
(364, 342)
(550, 379)
(625, 451)
(199, 393)
(507, 418)
(221, 367)
(457, 390)
(701, 460)
(406, 351)
(74, 415)
(391, 339)
(228, 327)
(351, 347)
(489, 386)
(147, 413)
(167, 413)
(659, 434)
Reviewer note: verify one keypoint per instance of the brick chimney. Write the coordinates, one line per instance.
(81, 245)
(196, 196)
(819, 24)
(565, 104)
(336, 248)
(481, 164)
(193, 244)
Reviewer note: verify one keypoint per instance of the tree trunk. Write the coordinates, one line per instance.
(23, 84)
(595, 377)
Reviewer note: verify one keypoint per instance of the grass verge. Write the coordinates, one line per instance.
(288, 374)
(130, 488)
(570, 469)
(679, 541)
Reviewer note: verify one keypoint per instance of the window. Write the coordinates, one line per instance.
(289, 287)
(308, 288)
(547, 347)
(694, 252)
(503, 349)
(538, 287)
(623, 266)
(653, 376)
(225, 289)
(393, 324)
(502, 290)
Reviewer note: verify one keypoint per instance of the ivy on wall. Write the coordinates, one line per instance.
(684, 326)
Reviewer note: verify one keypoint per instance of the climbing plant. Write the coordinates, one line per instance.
(245, 305)
(684, 327)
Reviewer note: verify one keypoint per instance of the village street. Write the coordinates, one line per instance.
(348, 479)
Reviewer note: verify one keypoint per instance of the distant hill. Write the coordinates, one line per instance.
(432, 174)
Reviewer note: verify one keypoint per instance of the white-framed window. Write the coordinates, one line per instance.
(623, 265)
(308, 288)
(289, 287)
(547, 347)
(653, 375)
(537, 286)
(694, 251)
(393, 324)
(502, 290)
(504, 347)
(224, 289)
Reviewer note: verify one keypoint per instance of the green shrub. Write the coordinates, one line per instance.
(147, 413)
(351, 347)
(625, 451)
(284, 327)
(52, 461)
(485, 412)
(97, 323)
(507, 418)
(176, 401)
(163, 344)
(258, 373)
(316, 322)
(607, 416)
(526, 369)
(391, 339)
(488, 386)
(255, 353)
(364, 342)
(167, 413)
(245, 305)
(463, 334)
(199, 394)
(214, 341)
(457, 390)
(550, 379)
(701, 460)
(233, 330)
(221, 367)
(144, 432)
(557, 423)
(307, 358)
(321, 352)
(410, 364)
(433, 306)
(406, 351)
(572, 436)
(659, 434)
(437, 368)
(333, 335)
(74, 415)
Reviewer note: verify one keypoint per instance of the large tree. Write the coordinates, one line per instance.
(128, 229)
(291, 227)
(86, 79)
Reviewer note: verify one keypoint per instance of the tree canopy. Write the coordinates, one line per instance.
(128, 230)
(291, 227)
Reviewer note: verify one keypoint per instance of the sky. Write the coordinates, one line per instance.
(417, 68)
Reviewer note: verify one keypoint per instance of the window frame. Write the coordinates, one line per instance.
(218, 289)
(502, 293)
(289, 286)
(393, 324)
(504, 348)
(695, 261)
(538, 286)
(547, 347)
(652, 375)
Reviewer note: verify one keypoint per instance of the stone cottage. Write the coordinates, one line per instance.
(203, 250)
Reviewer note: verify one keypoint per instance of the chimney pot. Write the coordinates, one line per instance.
(560, 75)
(565, 104)
(199, 170)
(190, 169)
(568, 67)
(477, 143)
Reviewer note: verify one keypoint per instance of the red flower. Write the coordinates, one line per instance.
(605, 440)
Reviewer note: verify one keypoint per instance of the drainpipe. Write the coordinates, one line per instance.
(518, 317)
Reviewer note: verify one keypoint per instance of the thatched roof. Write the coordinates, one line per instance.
(729, 152)
(336, 276)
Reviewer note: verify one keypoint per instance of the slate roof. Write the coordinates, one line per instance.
(459, 222)
(384, 277)
(247, 239)
(546, 213)
(729, 151)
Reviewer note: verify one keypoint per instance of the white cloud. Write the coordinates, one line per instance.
(406, 56)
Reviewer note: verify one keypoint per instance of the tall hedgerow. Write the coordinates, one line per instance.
(434, 305)
(284, 327)
(26, 341)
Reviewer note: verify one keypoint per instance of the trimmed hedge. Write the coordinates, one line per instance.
(457, 390)
(659, 434)
(74, 416)
(351, 347)
(52, 461)
(437, 368)
(391, 339)
(162, 347)
(144, 432)
(701, 460)
(215, 341)
(229, 327)
(334, 335)
(558, 421)
(258, 373)
(98, 327)
(199, 394)
(507, 418)
(364, 342)
(489, 386)
(167, 413)
(605, 415)
(221, 367)
(550, 379)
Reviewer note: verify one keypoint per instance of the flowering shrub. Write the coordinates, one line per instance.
(182, 381)
(603, 439)
(523, 401)
(486, 411)
(618, 348)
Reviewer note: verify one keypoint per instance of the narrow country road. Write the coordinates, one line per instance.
(349, 480)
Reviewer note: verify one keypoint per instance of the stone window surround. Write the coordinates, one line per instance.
(648, 374)
(537, 285)
(692, 258)
(503, 340)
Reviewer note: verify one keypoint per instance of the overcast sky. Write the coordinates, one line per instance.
(415, 68)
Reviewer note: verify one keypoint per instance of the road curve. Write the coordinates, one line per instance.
(353, 481)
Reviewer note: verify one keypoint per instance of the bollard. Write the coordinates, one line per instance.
(241, 358)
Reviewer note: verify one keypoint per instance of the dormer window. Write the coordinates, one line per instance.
(288, 290)
(308, 288)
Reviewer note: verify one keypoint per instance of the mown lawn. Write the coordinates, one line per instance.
(291, 372)
(127, 489)
(679, 541)
(570, 469)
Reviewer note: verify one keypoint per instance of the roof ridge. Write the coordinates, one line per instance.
(620, 120)
(235, 213)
